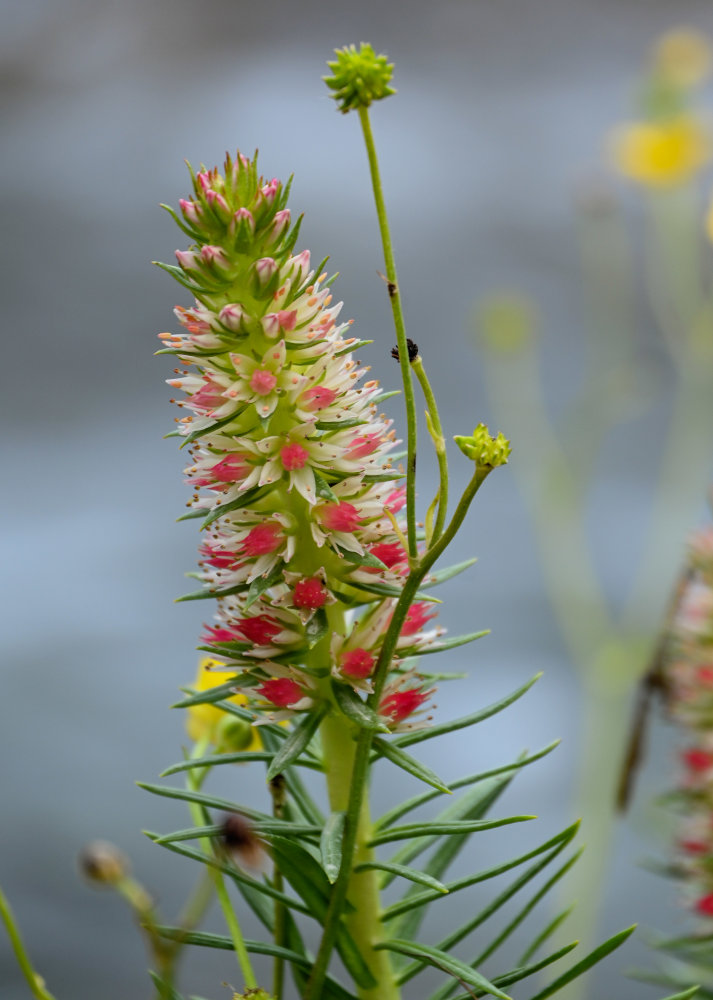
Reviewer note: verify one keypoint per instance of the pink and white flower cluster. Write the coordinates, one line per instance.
(289, 461)
(689, 691)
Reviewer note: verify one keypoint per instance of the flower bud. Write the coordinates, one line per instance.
(215, 258)
(232, 316)
(279, 224)
(103, 863)
(187, 259)
(191, 211)
(242, 229)
(359, 77)
(483, 449)
(265, 276)
(218, 204)
(233, 734)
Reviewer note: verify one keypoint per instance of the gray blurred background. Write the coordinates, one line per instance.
(501, 114)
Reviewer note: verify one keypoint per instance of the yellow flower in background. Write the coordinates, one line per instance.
(206, 722)
(661, 154)
(683, 57)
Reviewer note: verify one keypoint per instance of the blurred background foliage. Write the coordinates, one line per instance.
(499, 129)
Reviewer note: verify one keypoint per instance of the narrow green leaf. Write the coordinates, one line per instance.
(239, 877)
(263, 583)
(467, 720)
(407, 763)
(295, 743)
(265, 828)
(418, 899)
(447, 573)
(389, 590)
(330, 845)
(581, 967)
(365, 559)
(410, 873)
(522, 972)
(441, 960)
(323, 489)
(210, 593)
(353, 347)
(530, 905)
(316, 628)
(355, 709)
(456, 640)
(442, 829)
(242, 757)
(472, 804)
(418, 800)
(545, 934)
(209, 428)
(208, 940)
(298, 958)
(383, 477)
(246, 499)
(209, 697)
(166, 991)
(202, 799)
(685, 995)
(687, 941)
(192, 514)
(338, 425)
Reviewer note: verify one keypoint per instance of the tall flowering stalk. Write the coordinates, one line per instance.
(320, 578)
(682, 673)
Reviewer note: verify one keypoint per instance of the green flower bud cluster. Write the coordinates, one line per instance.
(483, 449)
(359, 77)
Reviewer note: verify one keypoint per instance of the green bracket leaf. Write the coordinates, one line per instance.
(296, 743)
(355, 709)
(407, 763)
(581, 967)
(441, 960)
(331, 845)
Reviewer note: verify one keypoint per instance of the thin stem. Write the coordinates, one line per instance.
(357, 783)
(278, 792)
(439, 443)
(399, 324)
(34, 980)
(198, 814)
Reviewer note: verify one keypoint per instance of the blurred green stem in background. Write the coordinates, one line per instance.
(557, 461)
(34, 980)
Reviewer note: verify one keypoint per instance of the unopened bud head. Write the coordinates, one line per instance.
(483, 449)
(359, 77)
(103, 863)
(233, 734)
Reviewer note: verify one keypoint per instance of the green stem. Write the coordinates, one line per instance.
(34, 980)
(356, 781)
(439, 443)
(364, 922)
(399, 324)
(278, 792)
(198, 814)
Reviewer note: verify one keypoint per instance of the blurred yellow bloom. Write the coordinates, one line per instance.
(208, 722)
(661, 153)
(683, 56)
